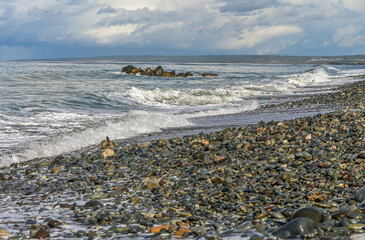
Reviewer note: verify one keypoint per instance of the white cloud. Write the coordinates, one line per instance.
(355, 5)
(349, 36)
(129, 5)
(260, 34)
(110, 35)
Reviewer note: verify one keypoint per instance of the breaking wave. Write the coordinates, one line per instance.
(314, 76)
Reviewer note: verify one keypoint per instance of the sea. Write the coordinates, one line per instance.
(52, 107)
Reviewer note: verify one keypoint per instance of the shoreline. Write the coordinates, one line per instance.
(212, 59)
(243, 181)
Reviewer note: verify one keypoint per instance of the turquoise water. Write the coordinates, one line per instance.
(48, 108)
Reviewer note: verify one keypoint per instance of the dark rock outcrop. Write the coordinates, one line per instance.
(159, 72)
(169, 74)
(127, 69)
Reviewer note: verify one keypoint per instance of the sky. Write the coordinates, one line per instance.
(39, 29)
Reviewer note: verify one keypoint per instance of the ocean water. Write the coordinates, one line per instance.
(53, 107)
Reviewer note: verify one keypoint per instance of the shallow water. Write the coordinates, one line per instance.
(49, 108)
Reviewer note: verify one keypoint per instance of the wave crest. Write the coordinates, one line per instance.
(313, 76)
(182, 97)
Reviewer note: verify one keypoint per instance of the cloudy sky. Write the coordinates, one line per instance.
(79, 28)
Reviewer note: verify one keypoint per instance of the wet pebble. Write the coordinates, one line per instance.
(93, 204)
(42, 234)
(360, 195)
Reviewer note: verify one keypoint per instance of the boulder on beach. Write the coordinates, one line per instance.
(360, 195)
(309, 212)
(295, 228)
(107, 144)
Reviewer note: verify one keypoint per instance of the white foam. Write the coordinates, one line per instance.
(354, 72)
(191, 97)
(181, 97)
(249, 106)
(314, 76)
(132, 124)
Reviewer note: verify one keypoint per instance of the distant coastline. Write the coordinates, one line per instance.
(254, 59)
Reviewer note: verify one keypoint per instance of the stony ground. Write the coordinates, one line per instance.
(302, 178)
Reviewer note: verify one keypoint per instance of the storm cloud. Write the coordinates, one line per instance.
(294, 27)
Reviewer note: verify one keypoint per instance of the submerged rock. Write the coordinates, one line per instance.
(209, 75)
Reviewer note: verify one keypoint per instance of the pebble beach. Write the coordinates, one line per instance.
(292, 179)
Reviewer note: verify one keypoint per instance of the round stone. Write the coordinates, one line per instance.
(286, 176)
(360, 195)
(309, 212)
(198, 155)
(42, 234)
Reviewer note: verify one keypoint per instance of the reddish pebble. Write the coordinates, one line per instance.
(159, 228)
(183, 224)
(182, 232)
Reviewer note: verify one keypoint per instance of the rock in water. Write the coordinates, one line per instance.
(297, 227)
(159, 71)
(169, 74)
(181, 75)
(150, 72)
(128, 69)
(210, 75)
(309, 212)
